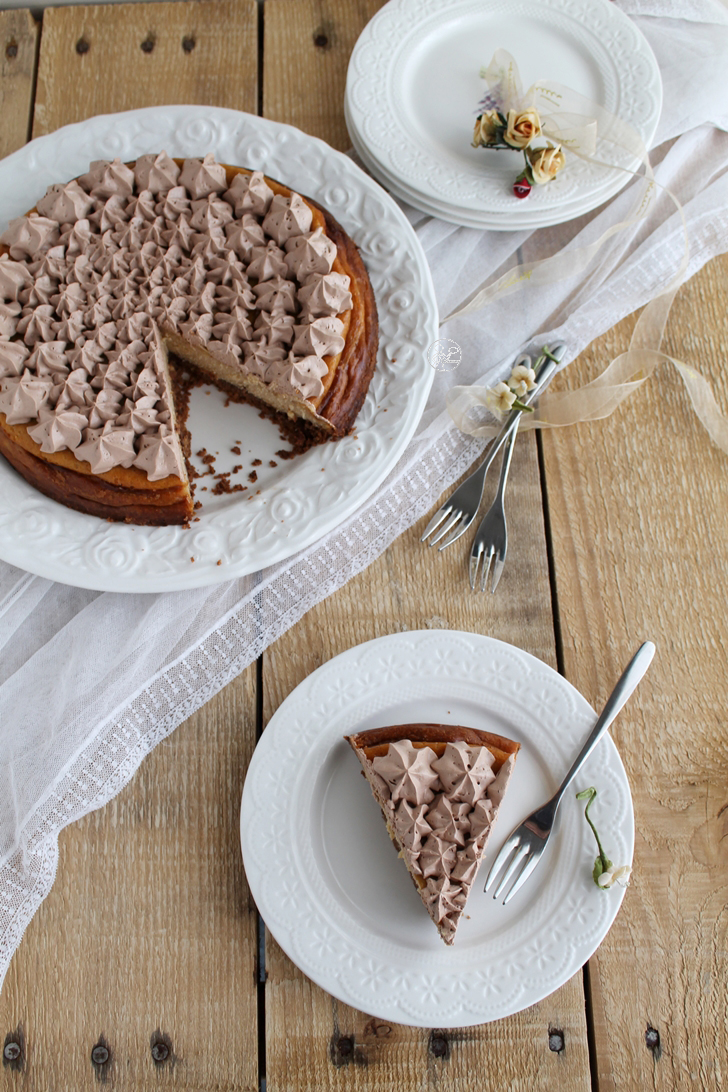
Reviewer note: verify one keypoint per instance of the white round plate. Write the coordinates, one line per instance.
(328, 882)
(292, 503)
(413, 104)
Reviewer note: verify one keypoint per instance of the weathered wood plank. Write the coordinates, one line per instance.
(307, 49)
(307, 1031)
(411, 587)
(149, 927)
(125, 56)
(18, 52)
(639, 515)
(149, 932)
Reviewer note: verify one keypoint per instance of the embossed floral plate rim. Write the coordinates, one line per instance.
(244, 533)
(382, 84)
(328, 883)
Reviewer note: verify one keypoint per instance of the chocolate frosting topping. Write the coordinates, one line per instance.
(440, 801)
(106, 260)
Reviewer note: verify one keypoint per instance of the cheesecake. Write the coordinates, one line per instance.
(439, 788)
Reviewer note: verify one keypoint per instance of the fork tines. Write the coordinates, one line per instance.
(487, 558)
(513, 856)
(451, 519)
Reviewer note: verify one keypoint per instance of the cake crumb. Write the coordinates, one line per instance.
(252, 476)
(235, 450)
(257, 462)
(219, 562)
(192, 559)
(208, 460)
(272, 463)
(198, 504)
(224, 486)
(237, 468)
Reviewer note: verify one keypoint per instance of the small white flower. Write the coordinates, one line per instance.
(499, 399)
(522, 380)
(616, 874)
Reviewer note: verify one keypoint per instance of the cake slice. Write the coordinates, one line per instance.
(439, 787)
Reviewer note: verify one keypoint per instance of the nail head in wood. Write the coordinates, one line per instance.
(11, 50)
(82, 46)
(188, 44)
(100, 1054)
(160, 1051)
(556, 1040)
(342, 1051)
(148, 44)
(652, 1040)
(321, 39)
(439, 1045)
(14, 1050)
(160, 1046)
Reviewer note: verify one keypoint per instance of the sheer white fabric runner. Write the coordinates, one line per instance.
(90, 682)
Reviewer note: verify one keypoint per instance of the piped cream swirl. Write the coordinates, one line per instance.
(108, 258)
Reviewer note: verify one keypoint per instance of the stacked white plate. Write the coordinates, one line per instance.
(414, 83)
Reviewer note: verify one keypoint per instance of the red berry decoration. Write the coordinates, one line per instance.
(521, 187)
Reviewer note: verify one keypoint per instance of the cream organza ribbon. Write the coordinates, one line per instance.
(588, 131)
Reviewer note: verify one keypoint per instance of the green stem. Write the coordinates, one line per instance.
(590, 795)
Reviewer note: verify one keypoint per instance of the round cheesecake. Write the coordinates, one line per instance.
(118, 275)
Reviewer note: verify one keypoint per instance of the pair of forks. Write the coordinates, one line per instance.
(454, 517)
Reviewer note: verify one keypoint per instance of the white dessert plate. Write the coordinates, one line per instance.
(291, 503)
(413, 86)
(328, 882)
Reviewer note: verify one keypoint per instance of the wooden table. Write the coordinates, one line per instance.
(145, 967)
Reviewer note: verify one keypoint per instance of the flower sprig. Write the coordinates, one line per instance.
(506, 396)
(605, 874)
(517, 130)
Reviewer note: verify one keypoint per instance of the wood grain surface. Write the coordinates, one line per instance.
(147, 946)
(19, 35)
(107, 58)
(638, 508)
(334, 1046)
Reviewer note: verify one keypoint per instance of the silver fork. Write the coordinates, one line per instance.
(523, 848)
(459, 511)
(491, 539)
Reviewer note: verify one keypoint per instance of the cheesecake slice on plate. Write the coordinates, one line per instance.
(440, 787)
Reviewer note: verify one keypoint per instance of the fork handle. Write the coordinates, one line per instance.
(624, 689)
(514, 417)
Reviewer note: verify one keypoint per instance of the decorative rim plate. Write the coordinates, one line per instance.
(412, 107)
(293, 503)
(328, 883)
